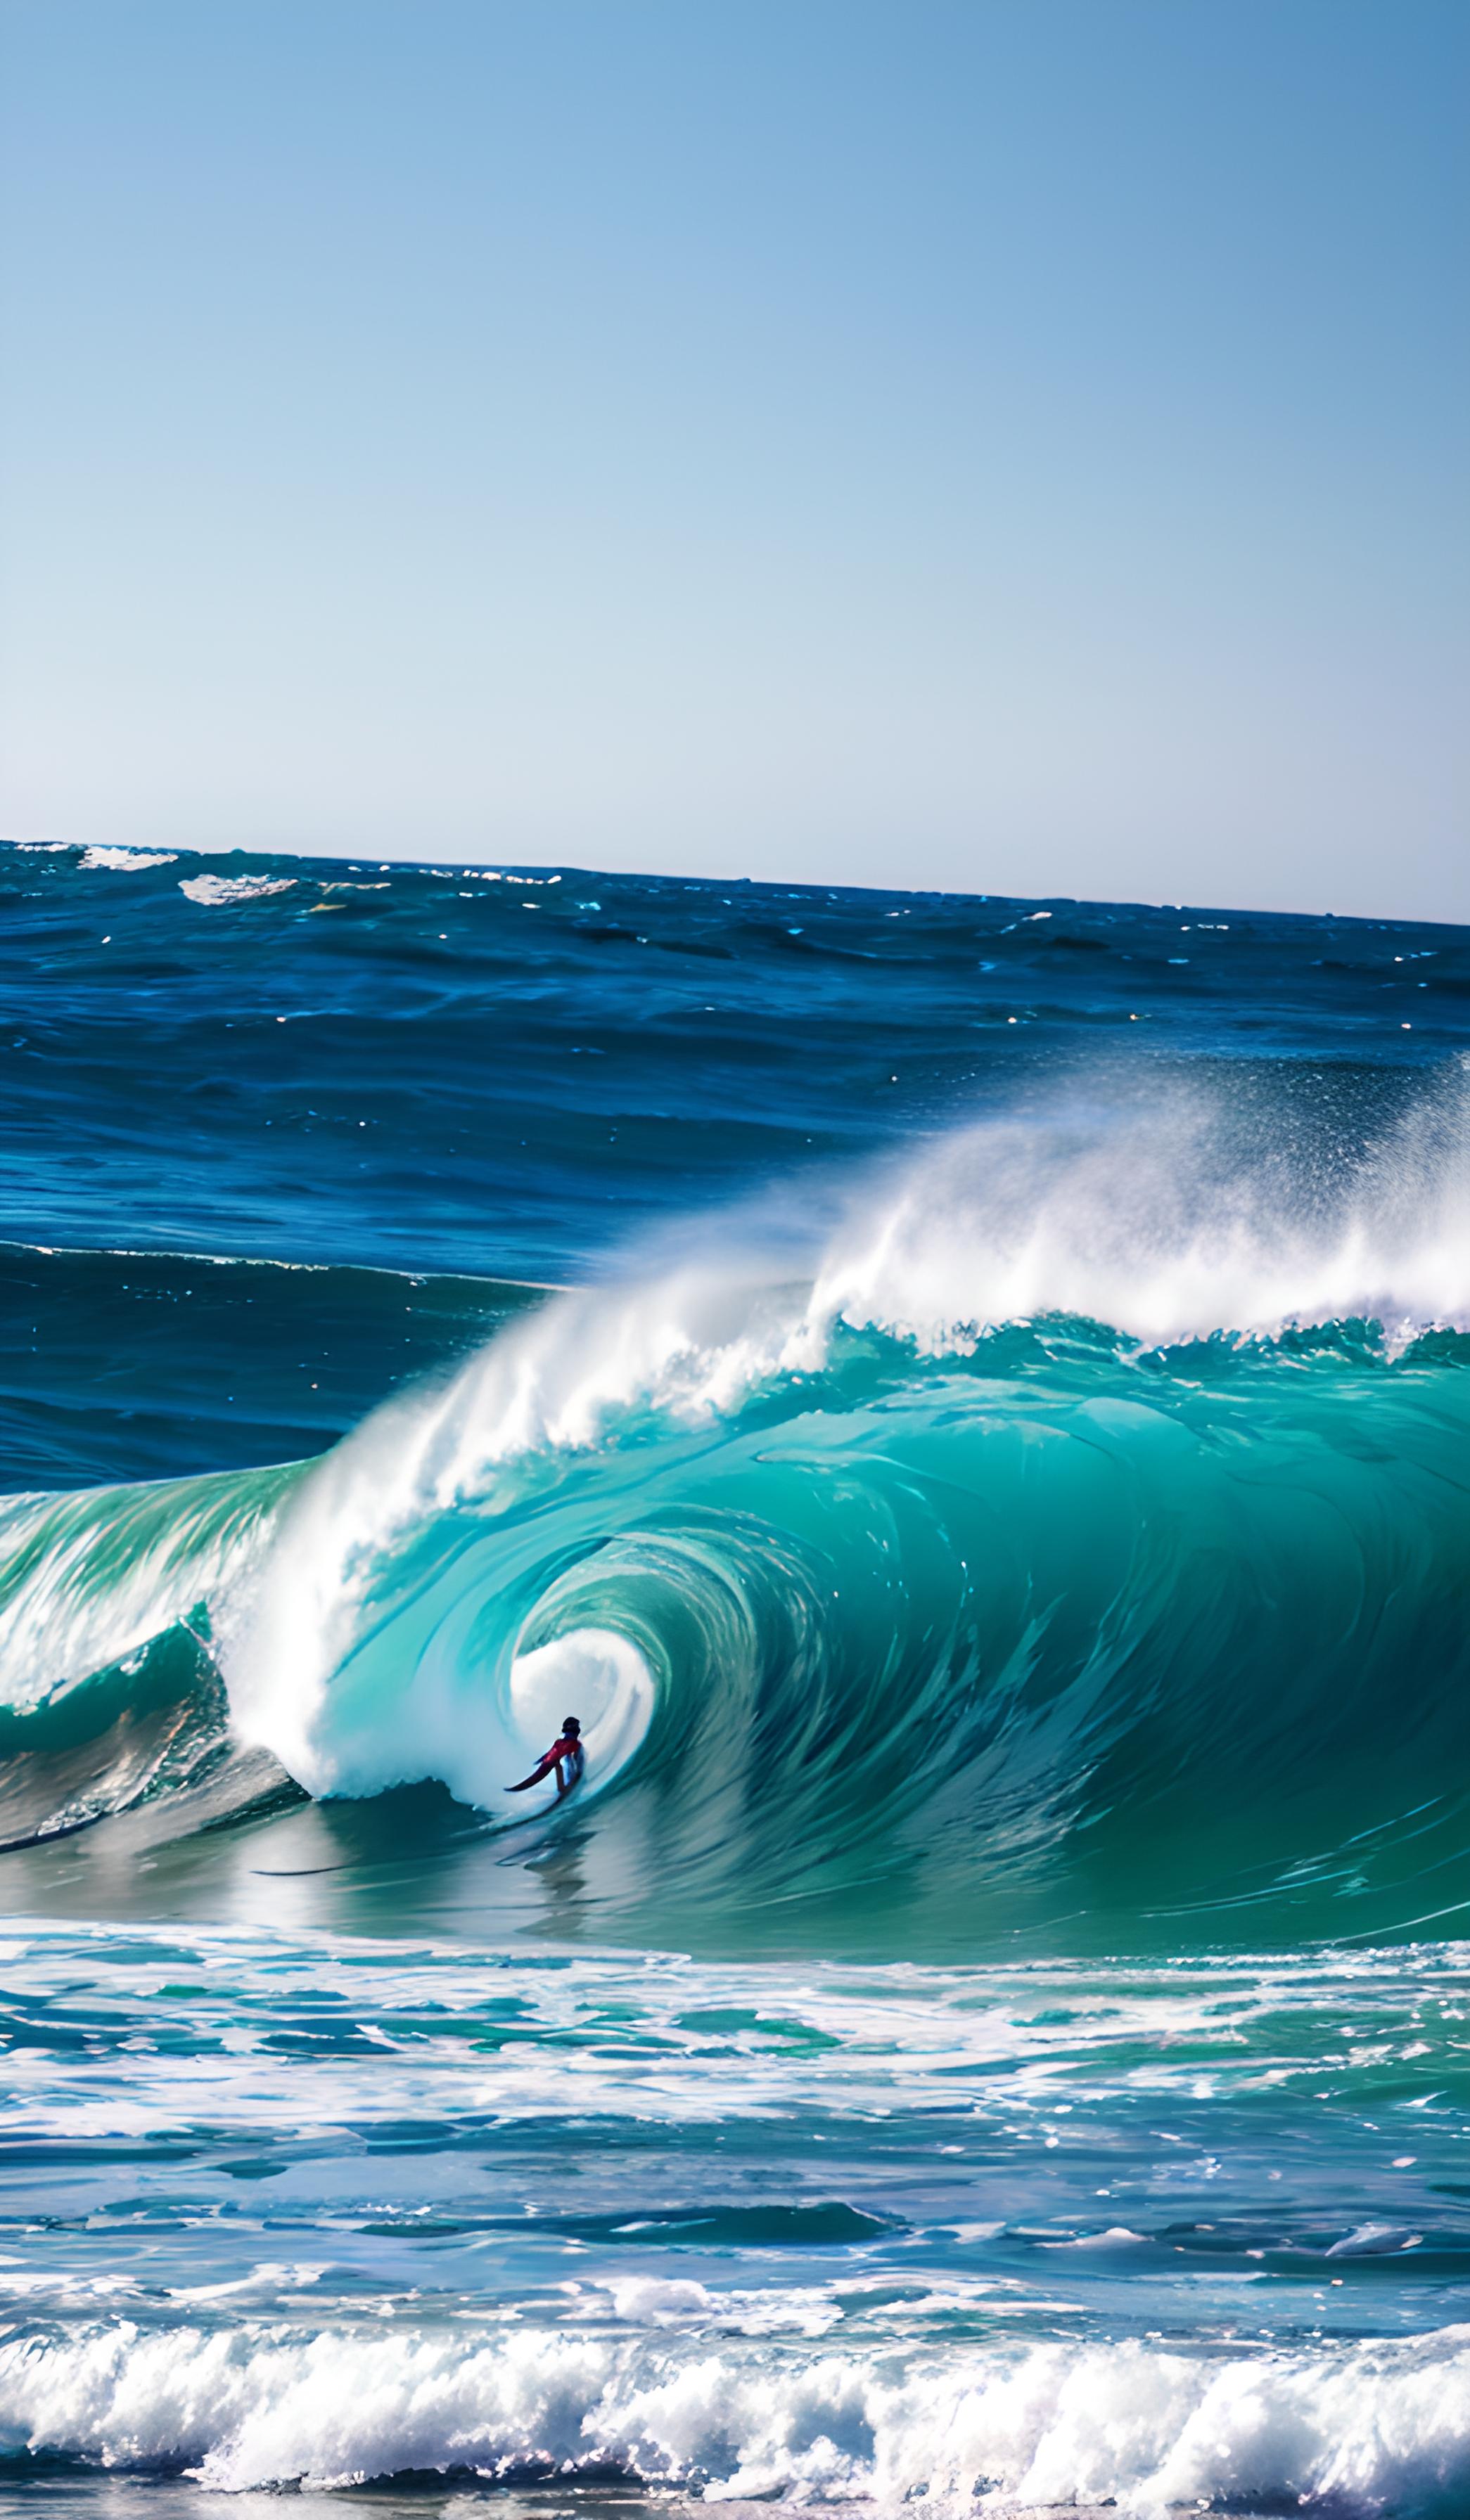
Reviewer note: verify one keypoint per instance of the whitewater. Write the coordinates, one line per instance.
(968, 1402)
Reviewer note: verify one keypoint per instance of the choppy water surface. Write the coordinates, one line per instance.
(968, 1400)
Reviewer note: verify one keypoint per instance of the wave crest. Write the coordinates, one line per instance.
(1355, 2427)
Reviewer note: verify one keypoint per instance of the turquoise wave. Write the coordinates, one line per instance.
(1051, 1634)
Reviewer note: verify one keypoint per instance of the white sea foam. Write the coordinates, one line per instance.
(716, 2372)
(1360, 2429)
(126, 861)
(211, 889)
(632, 2036)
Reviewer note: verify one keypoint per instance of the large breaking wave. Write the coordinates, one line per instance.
(1081, 1518)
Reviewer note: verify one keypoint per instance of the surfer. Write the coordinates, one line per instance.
(565, 1755)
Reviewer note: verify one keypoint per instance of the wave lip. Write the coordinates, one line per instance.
(1360, 2429)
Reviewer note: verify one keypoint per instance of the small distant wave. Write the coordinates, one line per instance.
(211, 889)
(107, 861)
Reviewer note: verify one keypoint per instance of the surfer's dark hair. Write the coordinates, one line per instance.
(569, 1724)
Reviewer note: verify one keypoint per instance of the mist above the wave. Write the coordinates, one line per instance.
(1178, 1213)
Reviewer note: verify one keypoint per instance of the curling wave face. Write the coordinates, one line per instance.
(1084, 1522)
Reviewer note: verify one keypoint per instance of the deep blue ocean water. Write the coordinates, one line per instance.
(967, 1401)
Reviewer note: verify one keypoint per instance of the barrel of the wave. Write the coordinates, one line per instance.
(984, 1650)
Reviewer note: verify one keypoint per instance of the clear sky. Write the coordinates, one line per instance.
(1018, 445)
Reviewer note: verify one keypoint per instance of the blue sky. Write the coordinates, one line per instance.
(1017, 445)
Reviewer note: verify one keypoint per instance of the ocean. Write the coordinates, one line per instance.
(967, 1401)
